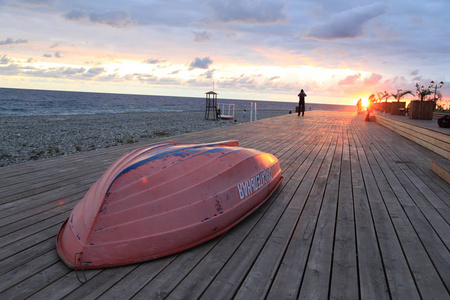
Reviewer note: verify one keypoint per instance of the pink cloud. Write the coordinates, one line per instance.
(373, 79)
(350, 79)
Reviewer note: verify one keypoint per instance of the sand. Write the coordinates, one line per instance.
(23, 139)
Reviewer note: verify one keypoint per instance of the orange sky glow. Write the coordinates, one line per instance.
(336, 53)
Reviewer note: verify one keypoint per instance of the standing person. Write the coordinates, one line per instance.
(244, 114)
(218, 114)
(369, 106)
(301, 102)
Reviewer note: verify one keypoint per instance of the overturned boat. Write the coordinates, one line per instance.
(165, 198)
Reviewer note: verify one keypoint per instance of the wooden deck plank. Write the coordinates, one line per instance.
(33, 284)
(372, 280)
(430, 286)
(173, 274)
(358, 215)
(305, 201)
(20, 274)
(436, 195)
(27, 242)
(398, 276)
(98, 284)
(60, 287)
(416, 156)
(344, 278)
(433, 228)
(137, 279)
(258, 280)
(318, 270)
(22, 257)
(42, 211)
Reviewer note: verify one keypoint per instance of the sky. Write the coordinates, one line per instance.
(337, 51)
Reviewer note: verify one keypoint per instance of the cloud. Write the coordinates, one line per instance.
(200, 63)
(168, 81)
(12, 69)
(145, 77)
(209, 74)
(118, 19)
(64, 72)
(418, 20)
(317, 11)
(110, 77)
(38, 2)
(414, 73)
(256, 82)
(57, 54)
(4, 60)
(113, 18)
(10, 41)
(330, 51)
(202, 36)
(373, 79)
(72, 71)
(29, 71)
(153, 61)
(80, 73)
(346, 25)
(92, 72)
(241, 81)
(247, 11)
(55, 72)
(351, 79)
(75, 15)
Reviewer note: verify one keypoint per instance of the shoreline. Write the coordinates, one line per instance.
(27, 138)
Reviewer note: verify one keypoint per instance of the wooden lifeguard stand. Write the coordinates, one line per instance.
(211, 105)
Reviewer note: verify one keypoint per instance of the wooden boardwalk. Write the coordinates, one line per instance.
(359, 215)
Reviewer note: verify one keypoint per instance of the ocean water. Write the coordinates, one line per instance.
(24, 102)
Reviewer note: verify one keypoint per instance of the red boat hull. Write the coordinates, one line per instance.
(163, 199)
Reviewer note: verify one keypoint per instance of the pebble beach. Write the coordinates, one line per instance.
(24, 139)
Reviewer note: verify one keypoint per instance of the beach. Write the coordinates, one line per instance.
(24, 139)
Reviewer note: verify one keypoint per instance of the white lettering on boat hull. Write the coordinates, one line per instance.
(248, 187)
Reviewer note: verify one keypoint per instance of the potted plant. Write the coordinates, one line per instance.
(422, 109)
(398, 108)
(385, 106)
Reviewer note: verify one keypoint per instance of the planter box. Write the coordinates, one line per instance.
(376, 106)
(422, 110)
(386, 107)
(398, 108)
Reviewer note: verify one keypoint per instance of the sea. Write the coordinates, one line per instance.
(27, 102)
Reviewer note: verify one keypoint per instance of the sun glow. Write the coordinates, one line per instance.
(364, 102)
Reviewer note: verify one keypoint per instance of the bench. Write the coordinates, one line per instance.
(442, 168)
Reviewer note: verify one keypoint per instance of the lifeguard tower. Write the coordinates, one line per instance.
(211, 106)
